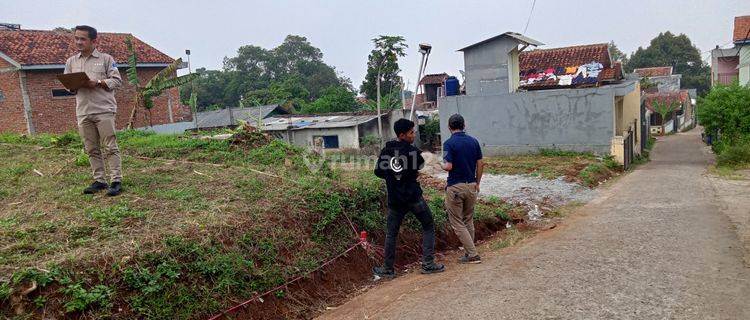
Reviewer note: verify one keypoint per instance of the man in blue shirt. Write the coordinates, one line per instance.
(462, 158)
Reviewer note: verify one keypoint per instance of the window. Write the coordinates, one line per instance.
(329, 142)
(58, 93)
(2, 96)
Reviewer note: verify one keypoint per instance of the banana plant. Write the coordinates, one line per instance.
(162, 81)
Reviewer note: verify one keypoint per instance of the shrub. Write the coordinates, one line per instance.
(724, 111)
(735, 155)
(82, 299)
(70, 138)
(82, 159)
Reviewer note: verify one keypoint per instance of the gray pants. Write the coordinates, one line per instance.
(98, 134)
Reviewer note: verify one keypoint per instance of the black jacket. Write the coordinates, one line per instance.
(399, 163)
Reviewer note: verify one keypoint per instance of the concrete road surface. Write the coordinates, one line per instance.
(655, 245)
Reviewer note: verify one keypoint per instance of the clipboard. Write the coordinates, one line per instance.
(73, 81)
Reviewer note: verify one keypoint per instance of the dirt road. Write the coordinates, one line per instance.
(654, 245)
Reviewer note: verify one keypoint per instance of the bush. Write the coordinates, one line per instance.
(724, 111)
(735, 155)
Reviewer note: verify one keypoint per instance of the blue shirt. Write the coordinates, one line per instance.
(463, 151)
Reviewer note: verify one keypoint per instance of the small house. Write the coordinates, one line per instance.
(333, 131)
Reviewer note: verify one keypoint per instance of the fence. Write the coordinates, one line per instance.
(628, 153)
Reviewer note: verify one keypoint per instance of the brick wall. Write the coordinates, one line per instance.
(57, 114)
(11, 106)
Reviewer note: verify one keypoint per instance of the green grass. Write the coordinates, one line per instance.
(510, 238)
(185, 239)
(552, 164)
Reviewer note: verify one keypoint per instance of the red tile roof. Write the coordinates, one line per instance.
(610, 74)
(570, 57)
(653, 71)
(565, 57)
(741, 29)
(678, 96)
(39, 47)
(438, 78)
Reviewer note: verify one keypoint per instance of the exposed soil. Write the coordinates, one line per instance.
(351, 275)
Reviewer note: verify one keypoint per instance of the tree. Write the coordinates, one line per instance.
(388, 102)
(383, 60)
(290, 93)
(679, 53)
(616, 54)
(664, 107)
(254, 71)
(162, 81)
(334, 99)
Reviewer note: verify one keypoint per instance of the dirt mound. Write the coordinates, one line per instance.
(248, 136)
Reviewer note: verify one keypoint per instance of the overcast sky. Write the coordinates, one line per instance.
(343, 29)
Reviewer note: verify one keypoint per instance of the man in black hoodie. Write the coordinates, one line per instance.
(399, 163)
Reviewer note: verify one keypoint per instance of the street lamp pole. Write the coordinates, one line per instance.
(380, 121)
(424, 49)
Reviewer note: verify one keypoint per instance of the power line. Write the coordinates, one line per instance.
(529, 19)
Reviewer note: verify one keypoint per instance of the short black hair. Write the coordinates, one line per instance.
(456, 122)
(89, 29)
(402, 126)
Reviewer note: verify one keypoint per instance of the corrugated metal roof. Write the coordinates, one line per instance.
(315, 122)
(514, 35)
(221, 118)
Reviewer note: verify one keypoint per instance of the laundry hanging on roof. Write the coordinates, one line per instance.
(565, 80)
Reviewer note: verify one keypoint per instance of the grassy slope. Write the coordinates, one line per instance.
(185, 239)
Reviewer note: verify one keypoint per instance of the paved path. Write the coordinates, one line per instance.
(655, 245)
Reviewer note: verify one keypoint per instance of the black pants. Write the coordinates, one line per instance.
(396, 215)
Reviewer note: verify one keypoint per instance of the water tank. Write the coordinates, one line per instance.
(451, 86)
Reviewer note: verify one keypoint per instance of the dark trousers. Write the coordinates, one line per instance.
(396, 215)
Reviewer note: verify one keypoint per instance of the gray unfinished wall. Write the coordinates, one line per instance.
(487, 67)
(524, 122)
(667, 83)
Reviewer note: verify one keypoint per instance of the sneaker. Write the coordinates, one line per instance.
(114, 189)
(433, 268)
(383, 272)
(473, 260)
(95, 187)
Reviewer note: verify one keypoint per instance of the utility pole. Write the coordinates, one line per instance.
(192, 91)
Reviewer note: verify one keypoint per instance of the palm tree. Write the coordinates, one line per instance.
(162, 81)
(664, 107)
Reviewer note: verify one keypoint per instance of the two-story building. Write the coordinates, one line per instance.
(733, 64)
(571, 98)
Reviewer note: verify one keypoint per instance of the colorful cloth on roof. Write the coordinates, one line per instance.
(565, 80)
